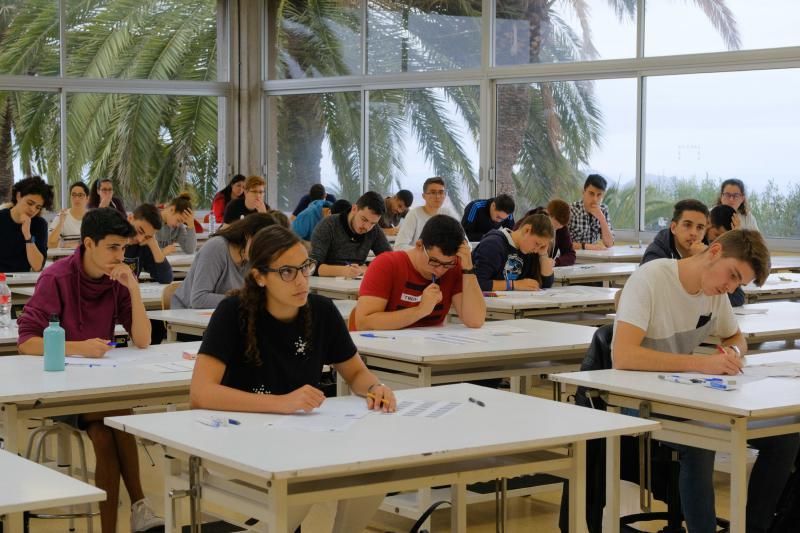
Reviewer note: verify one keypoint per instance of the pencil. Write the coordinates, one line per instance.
(383, 400)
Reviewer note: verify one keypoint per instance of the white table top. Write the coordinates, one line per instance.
(38, 487)
(785, 282)
(14, 279)
(556, 297)
(8, 336)
(60, 252)
(764, 397)
(781, 317)
(22, 378)
(785, 262)
(593, 270)
(509, 422)
(619, 252)
(180, 259)
(334, 284)
(505, 338)
(151, 292)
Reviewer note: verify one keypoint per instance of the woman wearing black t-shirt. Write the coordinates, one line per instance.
(266, 344)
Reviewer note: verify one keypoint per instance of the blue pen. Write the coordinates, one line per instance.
(112, 344)
(433, 278)
(233, 422)
(376, 336)
(721, 383)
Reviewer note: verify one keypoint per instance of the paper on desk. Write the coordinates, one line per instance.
(170, 367)
(741, 311)
(90, 361)
(330, 416)
(782, 369)
(426, 408)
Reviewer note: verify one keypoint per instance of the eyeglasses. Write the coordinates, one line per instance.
(78, 195)
(732, 195)
(289, 273)
(436, 193)
(435, 263)
(104, 189)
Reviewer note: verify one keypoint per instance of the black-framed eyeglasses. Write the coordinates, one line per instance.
(289, 273)
(432, 261)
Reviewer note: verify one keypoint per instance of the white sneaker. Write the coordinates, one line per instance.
(142, 516)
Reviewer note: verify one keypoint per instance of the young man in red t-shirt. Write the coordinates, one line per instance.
(412, 288)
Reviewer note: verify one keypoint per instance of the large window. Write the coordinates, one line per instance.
(703, 129)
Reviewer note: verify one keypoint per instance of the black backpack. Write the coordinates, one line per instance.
(787, 515)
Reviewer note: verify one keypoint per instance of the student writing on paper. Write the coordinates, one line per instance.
(316, 192)
(720, 220)
(508, 260)
(666, 310)
(589, 221)
(341, 243)
(434, 192)
(416, 287)
(65, 229)
(265, 347)
(143, 254)
(178, 226)
(220, 264)
(397, 207)
(559, 212)
(23, 231)
(482, 216)
(91, 292)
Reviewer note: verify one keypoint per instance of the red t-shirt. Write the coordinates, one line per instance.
(391, 276)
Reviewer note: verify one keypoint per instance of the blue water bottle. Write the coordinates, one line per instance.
(54, 346)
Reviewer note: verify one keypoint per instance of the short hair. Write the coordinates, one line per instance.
(81, 185)
(254, 181)
(316, 192)
(341, 206)
(595, 180)
(721, 216)
(97, 224)
(33, 185)
(559, 210)
(430, 181)
(540, 225)
(748, 246)
(182, 203)
(372, 201)
(406, 196)
(444, 232)
(150, 214)
(688, 204)
(280, 218)
(504, 203)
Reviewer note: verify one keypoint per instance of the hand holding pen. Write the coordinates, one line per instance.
(381, 398)
(725, 361)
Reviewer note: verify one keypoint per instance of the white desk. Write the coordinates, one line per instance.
(785, 263)
(417, 357)
(621, 253)
(607, 273)
(556, 303)
(26, 390)
(37, 487)
(151, 294)
(20, 279)
(783, 286)
(57, 253)
(780, 322)
(707, 418)
(335, 288)
(8, 337)
(176, 259)
(518, 434)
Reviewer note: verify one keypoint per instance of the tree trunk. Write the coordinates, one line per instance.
(304, 136)
(6, 154)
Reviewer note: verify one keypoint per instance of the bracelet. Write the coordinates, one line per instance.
(369, 389)
(735, 349)
(467, 270)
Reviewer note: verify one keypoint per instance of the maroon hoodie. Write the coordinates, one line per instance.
(88, 308)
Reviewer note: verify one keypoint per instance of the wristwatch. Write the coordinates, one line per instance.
(32, 240)
(467, 270)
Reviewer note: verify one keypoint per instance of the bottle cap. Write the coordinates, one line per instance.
(2, 277)
(54, 318)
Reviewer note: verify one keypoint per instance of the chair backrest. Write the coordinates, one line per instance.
(598, 356)
(166, 296)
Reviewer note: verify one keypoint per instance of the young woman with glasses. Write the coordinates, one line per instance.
(265, 347)
(65, 229)
(102, 195)
(732, 194)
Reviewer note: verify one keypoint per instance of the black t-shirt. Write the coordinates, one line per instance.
(287, 360)
(236, 210)
(13, 257)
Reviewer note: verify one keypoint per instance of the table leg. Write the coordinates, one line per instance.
(611, 524)
(738, 516)
(195, 506)
(458, 511)
(14, 523)
(9, 420)
(172, 335)
(278, 506)
(577, 489)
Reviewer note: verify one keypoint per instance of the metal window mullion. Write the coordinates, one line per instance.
(641, 139)
(365, 142)
(62, 98)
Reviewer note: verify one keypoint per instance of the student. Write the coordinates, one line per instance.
(482, 216)
(252, 201)
(65, 229)
(508, 260)
(685, 234)
(91, 291)
(666, 310)
(265, 347)
(732, 193)
(309, 217)
(23, 231)
(396, 208)
(234, 190)
(220, 264)
(558, 210)
(102, 195)
(720, 220)
(589, 223)
(413, 288)
(178, 226)
(316, 192)
(340, 244)
(144, 254)
(434, 194)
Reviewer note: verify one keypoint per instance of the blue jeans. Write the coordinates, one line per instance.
(776, 456)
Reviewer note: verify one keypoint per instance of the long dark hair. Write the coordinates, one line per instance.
(744, 208)
(267, 245)
(226, 192)
(94, 196)
(541, 226)
(239, 231)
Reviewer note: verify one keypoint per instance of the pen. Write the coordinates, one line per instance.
(376, 336)
(490, 294)
(372, 396)
(674, 378)
(720, 383)
(433, 278)
(112, 344)
(477, 402)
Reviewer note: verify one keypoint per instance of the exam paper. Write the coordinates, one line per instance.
(426, 408)
(90, 361)
(782, 369)
(170, 367)
(330, 416)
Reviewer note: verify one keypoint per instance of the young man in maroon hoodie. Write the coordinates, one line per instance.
(91, 292)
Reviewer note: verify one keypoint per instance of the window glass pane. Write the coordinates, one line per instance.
(151, 146)
(315, 39)
(686, 28)
(163, 40)
(29, 37)
(316, 138)
(419, 35)
(418, 133)
(559, 32)
(29, 139)
(551, 135)
(703, 129)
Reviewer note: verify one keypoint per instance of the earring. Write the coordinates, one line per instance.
(261, 284)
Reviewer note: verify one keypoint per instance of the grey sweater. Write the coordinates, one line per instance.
(333, 243)
(184, 236)
(212, 274)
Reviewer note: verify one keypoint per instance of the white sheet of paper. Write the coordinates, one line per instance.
(782, 369)
(170, 366)
(313, 421)
(90, 361)
(426, 408)
(741, 311)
